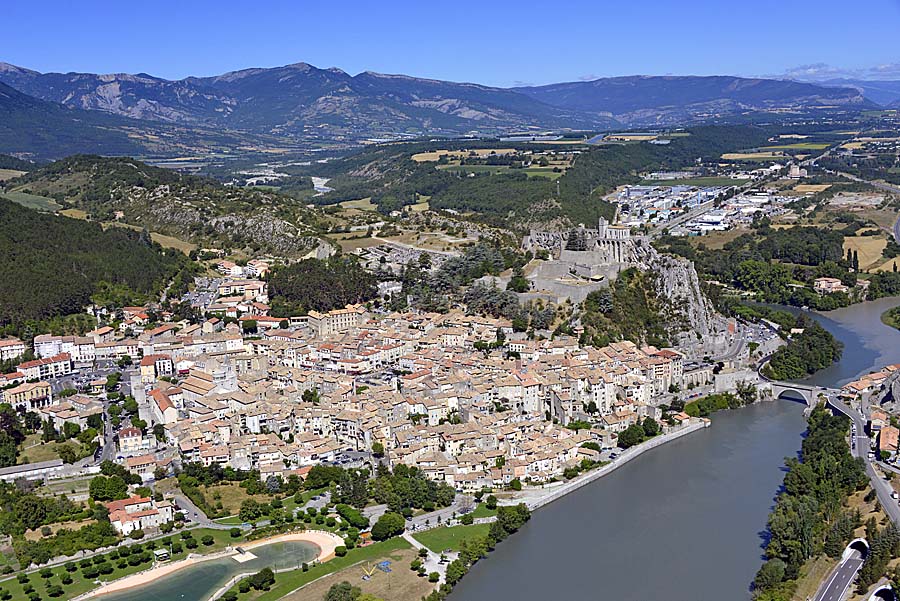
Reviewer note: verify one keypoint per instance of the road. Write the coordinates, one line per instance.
(460, 503)
(194, 514)
(840, 578)
(860, 448)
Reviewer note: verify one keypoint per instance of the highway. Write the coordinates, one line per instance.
(841, 578)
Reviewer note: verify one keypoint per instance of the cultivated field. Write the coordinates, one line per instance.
(363, 204)
(435, 155)
(811, 188)
(869, 249)
(33, 201)
(6, 174)
(753, 156)
(799, 146)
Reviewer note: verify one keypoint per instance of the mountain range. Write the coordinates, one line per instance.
(300, 102)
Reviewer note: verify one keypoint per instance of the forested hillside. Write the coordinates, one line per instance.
(184, 206)
(54, 264)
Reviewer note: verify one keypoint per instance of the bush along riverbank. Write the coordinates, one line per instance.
(805, 353)
(746, 394)
(810, 516)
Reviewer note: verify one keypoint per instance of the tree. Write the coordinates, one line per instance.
(342, 591)
(250, 511)
(491, 502)
(111, 488)
(770, 574)
(378, 449)
(633, 434)
(262, 580)
(651, 428)
(388, 525)
(9, 449)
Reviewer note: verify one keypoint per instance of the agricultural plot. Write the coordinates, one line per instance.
(33, 201)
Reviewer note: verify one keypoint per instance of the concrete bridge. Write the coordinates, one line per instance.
(781, 390)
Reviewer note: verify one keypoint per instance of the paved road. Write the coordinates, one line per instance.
(460, 503)
(194, 514)
(840, 578)
(860, 449)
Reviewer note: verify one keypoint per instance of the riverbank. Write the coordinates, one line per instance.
(536, 498)
(325, 541)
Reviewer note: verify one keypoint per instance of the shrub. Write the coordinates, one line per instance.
(137, 534)
(46, 572)
(234, 532)
(434, 577)
(66, 579)
(467, 520)
(230, 596)
(340, 551)
(244, 586)
(207, 540)
(22, 578)
(55, 590)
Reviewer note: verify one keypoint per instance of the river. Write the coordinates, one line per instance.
(684, 522)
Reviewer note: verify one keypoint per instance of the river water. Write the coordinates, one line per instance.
(684, 522)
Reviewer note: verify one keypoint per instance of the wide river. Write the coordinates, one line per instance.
(684, 522)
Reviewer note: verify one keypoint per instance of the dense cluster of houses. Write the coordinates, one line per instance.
(464, 398)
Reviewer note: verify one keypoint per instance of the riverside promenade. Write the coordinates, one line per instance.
(536, 498)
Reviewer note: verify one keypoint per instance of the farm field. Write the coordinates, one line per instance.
(363, 204)
(811, 188)
(753, 156)
(33, 201)
(435, 155)
(798, 146)
(6, 174)
(869, 249)
(718, 240)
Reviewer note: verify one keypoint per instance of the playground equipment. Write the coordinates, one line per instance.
(384, 566)
(368, 571)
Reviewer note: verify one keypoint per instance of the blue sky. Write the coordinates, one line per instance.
(491, 41)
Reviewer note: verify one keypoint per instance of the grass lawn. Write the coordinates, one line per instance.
(696, 181)
(287, 582)
(483, 512)
(81, 585)
(33, 201)
(450, 537)
(231, 495)
(401, 584)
